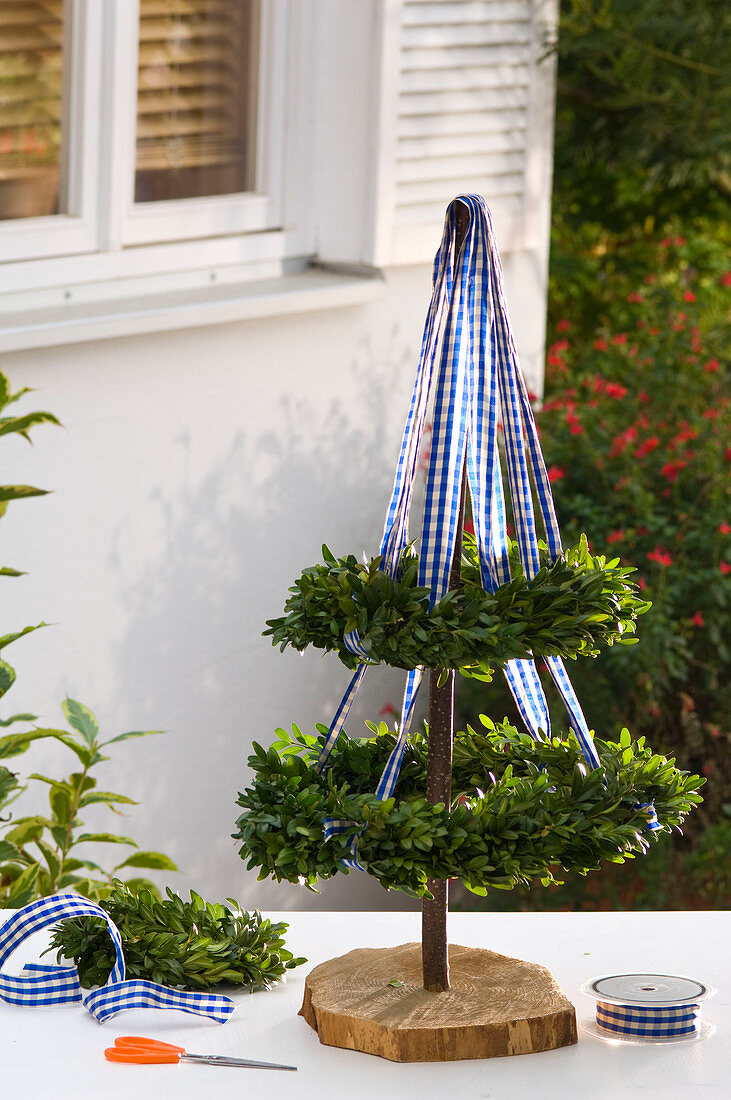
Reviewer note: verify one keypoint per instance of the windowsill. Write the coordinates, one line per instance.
(191, 307)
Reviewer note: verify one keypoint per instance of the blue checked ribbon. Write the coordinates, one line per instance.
(468, 369)
(639, 1022)
(42, 985)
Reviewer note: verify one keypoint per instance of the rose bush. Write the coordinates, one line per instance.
(635, 429)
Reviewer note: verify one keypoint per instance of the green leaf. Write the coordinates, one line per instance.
(126, 736)
(21, 424)
(6, 639)
(23, 890)
(6, 571)
(7, 677)
(149, 860)
(9, 744)
(17, 492)
(51, 857)
(105, 838)
(82, 719)
(26, 829)
(107, 797)
(5, 722)
(59, 798)
(8, 851)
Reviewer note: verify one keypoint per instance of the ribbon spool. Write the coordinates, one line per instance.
(648, 1008)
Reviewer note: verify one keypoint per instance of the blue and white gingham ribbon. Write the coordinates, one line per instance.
(640, 1022)
(469, 368)
(45, 985)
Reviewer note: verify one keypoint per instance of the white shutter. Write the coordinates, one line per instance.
(472, 111)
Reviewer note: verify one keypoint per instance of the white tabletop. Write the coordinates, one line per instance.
(57, 1053)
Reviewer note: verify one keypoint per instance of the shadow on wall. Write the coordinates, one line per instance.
(233, 541)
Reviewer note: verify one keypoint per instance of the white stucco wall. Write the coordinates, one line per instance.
(197, 472)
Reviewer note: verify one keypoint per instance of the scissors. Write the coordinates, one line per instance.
(135, 1048)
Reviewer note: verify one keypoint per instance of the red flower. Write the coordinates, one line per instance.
(679, 241)
(555, 473)
(643, 397)
(560, 345)
(600, 345)
(620, 338)
(577, 428)
(727, 456)
(615, 536)
(648, 446)
(725, 567)
(698, 619)
(641, 584)
(724, 528)
(711, 414)
(650, 279)
(660, 555)
(563, 325)
(615, 390)
(620, 441)
(388, 710)
(642, 531)
(725, 279)
(634, 297)
(532, 396)
(556, 361)
(711, 366)
(666, 242)
(671, 469)
(689, 296)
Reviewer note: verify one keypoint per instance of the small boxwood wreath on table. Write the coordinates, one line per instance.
(521, 809)
(572, 607)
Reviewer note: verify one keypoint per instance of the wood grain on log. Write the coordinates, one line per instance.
(495, 1006)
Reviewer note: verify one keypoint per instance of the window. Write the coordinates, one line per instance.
(160, 158)
(31, 98)
(140, 123)
(196, 99)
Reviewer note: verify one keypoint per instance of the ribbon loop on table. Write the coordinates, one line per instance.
(45, 985)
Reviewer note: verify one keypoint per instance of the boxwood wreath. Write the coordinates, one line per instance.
(521, 809)
(573, 606)
(187, 944)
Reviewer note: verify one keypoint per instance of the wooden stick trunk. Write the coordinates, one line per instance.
(434, 945)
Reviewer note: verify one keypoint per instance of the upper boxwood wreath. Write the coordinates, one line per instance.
(521, 809)
(572, 607)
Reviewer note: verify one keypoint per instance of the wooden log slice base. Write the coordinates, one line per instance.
(495, 1006)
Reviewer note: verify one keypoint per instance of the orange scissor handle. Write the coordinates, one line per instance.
(135, 1048)
(139, 1042)
(141, 1055)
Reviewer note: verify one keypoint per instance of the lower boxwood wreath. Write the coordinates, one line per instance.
(521, 809)
(189, 944)
(572, 607)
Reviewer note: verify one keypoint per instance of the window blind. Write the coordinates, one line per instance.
(31, 63)
(196, 98)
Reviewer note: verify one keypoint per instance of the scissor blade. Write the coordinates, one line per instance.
(222, 1060)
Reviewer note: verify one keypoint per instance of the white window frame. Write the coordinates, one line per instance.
(74, 231)
(133, 223)
(143, 248)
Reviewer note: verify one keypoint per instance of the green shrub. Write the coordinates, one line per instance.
(635, 430)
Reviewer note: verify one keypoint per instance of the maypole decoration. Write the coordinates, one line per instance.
(494, 807)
